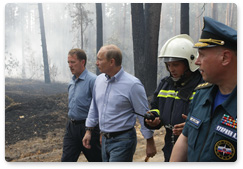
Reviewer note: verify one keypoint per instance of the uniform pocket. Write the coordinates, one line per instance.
(193, 132)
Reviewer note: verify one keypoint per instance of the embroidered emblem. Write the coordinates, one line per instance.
(195, 121)
(224, 150)
(226, 132)
(203, 85)
(229, 121)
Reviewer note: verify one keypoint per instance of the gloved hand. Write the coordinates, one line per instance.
(152, 121)
(151, 115)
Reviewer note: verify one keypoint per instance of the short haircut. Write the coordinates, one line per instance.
(112, 51)
(81, 55)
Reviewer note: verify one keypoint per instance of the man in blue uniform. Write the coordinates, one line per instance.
(210, 133)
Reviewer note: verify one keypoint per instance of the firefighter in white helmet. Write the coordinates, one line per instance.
(171, 99)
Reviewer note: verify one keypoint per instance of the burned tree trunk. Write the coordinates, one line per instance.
(145, 30)
(185, 18)
(138, 34)
(99, 27)
(43, 42)
(152, 25)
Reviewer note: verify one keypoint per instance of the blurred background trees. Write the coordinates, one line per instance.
(77, 25)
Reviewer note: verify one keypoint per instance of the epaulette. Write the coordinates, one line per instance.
(203, 85)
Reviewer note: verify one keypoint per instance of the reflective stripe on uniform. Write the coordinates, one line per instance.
(168, 93)
(192, 95)
(156, 110)
(172, 94)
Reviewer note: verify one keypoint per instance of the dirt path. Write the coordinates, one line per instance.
(35, 118)
(50, 149)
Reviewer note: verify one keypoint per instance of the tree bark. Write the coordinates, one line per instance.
(152, 25)
(44, 48)
(99, 27)
(185, 18)
(138, 35)
(145, 30)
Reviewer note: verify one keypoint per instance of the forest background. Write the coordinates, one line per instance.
(19, 60)
(68, 25)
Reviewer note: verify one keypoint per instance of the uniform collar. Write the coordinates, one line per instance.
(189, 85)
(230, 105)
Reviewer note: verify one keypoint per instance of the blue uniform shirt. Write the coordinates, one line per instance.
(114, 101)
(80, 95)
(212, 136)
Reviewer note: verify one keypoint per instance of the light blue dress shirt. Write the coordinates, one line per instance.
(114, 101)
(80, 95)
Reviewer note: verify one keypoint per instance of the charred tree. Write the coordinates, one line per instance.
(185, 18)
(152, 25)
(99, 27)
(145, 29)
(43, 42)
(138, 32)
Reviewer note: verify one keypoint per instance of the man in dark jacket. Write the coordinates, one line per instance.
(174, 93)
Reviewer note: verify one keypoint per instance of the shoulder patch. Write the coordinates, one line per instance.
(203, 85)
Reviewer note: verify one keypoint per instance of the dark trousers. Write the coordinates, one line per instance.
(73, 146)
(167, 149)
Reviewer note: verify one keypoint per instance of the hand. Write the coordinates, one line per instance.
(86, 139)
(177, 130)
(100, 139)
(153, 123)
(150, 149)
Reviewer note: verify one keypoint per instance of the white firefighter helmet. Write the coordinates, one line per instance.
(178, 48)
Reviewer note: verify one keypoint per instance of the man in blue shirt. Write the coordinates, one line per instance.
(116, 96)
(210, 133)
(79, 95)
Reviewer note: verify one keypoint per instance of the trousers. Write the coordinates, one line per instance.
(120, 148)
(73, 146)
(167, 149)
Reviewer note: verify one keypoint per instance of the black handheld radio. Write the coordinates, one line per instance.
(146, 116)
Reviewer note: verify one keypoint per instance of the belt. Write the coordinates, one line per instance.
(75, 122)
(114, 134)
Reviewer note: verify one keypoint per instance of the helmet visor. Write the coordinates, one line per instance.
(171, 59)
